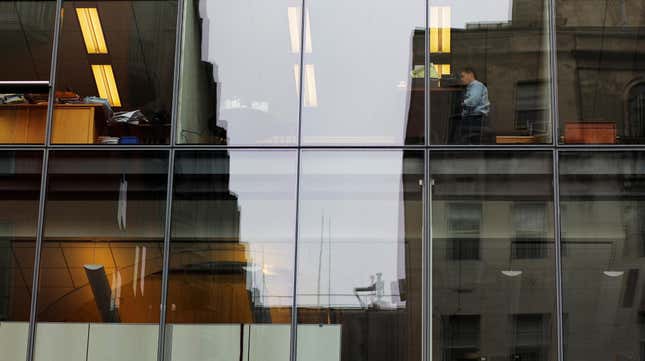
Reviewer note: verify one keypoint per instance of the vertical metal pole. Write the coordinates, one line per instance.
(426, 268)
(51, 101)
(555, 117)
(426, 77)
(166, 257)
(31, 337)
(179, 30)
(553, 73)
(33, 307)
(293, 332)
(177, 74)
(558, 256)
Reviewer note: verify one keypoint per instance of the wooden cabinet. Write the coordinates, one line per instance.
(590, 133)
(74, 125)
(25, 123)
(22, 123)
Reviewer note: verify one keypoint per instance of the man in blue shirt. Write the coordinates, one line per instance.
(475, 109)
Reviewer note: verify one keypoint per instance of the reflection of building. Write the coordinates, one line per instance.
(600, 70)
(211, 271)
(492, 257)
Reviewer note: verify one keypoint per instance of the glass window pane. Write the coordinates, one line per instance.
(20, 173)
(102, 254)
(601, 77)
(359, 255)
(26, 33)
(603, 240)
(231, 262)
(493, 288)
(239, 72)
(103, 225)
(489, 72)
(115, 72)
(26, 29)
(363, 78)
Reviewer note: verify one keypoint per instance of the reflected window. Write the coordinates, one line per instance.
(464, 224)
(461, 337)
(599, 50)
(636, 110)
(531, 337)
(359, 251)
(529, 222)
(103, 237)
(115, 72)
(498, 201)
(364, 73)
(240, 72)
(474, 97)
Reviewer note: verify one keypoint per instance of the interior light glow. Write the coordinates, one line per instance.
(106, 84)
(92, 31)
(440, 29)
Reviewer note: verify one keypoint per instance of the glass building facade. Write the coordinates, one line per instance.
(322, 180)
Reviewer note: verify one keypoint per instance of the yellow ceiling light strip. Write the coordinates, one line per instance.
(106, 84)
(294, 28)
(440, 29)
(92, 30)
(309, 76)
(293, 13)
(442, 69)
(311, 95)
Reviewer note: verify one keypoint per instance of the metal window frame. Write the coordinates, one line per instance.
(555, 148)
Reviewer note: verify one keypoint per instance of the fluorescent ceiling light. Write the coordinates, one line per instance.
(511, 273)
(309, 76)
(105, 83)
(442, 69)
(440, 29)
(294, 28)
(93, 267)
(613, 273)
(311, 96)
(293, 14)
(92, 30)
(307, 33)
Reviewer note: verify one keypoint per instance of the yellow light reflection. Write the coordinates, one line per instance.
(293, 13)
(92, 30)
(309, 76)
(440, 29)
(106, 84)
(442, 69)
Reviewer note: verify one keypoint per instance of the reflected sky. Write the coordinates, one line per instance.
(351, 227)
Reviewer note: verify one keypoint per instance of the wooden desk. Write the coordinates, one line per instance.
(25, 123)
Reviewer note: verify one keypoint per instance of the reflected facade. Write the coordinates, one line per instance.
(493, 256)
(239, 84)
(602, 240)
(425, 180)
(601, 75)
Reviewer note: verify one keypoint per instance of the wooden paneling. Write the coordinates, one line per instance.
(25, 124)
(73, 125)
